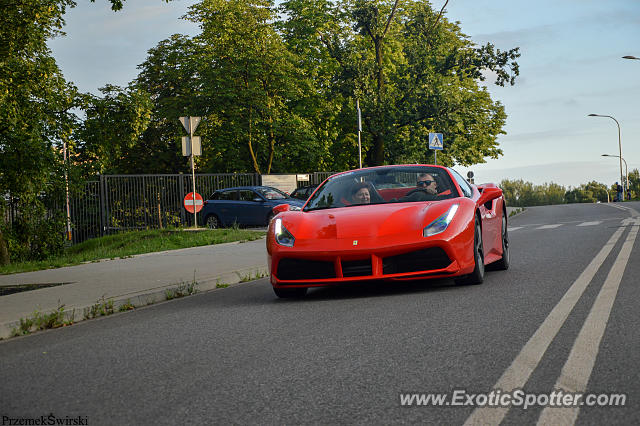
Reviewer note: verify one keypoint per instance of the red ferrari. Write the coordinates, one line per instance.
(402, 222)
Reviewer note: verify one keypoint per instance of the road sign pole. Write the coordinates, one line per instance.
(436, 142)
(190, 124)
(193, 174)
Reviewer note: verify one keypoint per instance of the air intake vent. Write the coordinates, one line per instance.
(357, 268)
(415, 261)
(302, 269)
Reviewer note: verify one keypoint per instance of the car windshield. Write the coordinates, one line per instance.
(271, 193)
(382, 185)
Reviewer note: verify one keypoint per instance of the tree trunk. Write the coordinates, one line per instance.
(253, 155)
(272, 143)
(378, 150)
(4, 252)
(378, 137)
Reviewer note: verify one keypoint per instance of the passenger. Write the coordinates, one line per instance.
(360, 193)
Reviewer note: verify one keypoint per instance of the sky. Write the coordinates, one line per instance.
(570, 66)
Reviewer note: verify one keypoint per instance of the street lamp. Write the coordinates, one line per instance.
(619, 145)
(626, 169)
(630, 57)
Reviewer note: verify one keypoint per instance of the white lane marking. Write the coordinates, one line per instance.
(579, 366)
(513, 228)
(627, 209)
(516, 376)
(549, 226)
(597, 222)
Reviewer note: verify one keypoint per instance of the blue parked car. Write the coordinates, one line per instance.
(244, 205)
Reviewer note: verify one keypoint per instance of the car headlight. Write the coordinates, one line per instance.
(441, 223)
(283, 236)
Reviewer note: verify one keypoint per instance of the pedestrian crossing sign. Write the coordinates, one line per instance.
(435, 141)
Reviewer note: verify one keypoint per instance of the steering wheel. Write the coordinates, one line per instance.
(420, 194)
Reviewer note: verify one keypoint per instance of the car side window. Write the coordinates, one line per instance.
(229, 195)
(464, 185)
(215, 196)
(247, 195)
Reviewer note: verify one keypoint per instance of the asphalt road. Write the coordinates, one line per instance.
(344, 355)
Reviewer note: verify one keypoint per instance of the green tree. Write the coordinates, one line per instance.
(250, 77)
(112, 128)
(519, 193)
(413, 71)
(634, 183)
(35, 119)
(172, 76)
(588, 193)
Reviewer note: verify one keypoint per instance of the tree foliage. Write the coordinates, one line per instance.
(414, 73)
(588, 193)
(278, 85)
(35, 120)
(110, 135)
(520, 193)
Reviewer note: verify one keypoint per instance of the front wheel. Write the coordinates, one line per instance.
(290, 293)
(477, 276)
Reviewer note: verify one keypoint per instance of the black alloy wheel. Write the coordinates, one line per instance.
(503, 263)
(477, 276)
(212, 222)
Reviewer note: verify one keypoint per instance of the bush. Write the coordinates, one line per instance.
(34, 235)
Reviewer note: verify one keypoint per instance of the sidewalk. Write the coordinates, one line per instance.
(141, 279)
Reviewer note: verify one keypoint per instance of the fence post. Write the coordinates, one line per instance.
(102, 206)
(181, 185)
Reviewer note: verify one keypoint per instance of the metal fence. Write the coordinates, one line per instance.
(115, 203)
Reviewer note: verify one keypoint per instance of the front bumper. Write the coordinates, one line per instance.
(318, 264)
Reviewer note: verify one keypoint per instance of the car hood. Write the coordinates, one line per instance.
(364, 221)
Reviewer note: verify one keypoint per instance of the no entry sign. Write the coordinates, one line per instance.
(190, 204)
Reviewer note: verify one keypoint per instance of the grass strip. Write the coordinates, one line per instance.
(131, 243)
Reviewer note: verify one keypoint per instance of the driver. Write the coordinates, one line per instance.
(428, 183)
(426, 189)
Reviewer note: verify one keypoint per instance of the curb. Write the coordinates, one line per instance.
(147, 297)
(517, 210)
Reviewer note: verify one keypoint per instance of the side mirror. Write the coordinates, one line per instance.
(489, 194)
(258, 200)
(281, 208)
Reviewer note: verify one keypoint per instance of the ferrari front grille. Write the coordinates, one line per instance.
(415, 261)
(303, 269)
(357, 268)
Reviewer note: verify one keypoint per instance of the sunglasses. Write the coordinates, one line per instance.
(425, 182)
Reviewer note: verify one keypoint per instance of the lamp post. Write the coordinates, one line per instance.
(626, 169)
(630, 57)
(619, 146)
